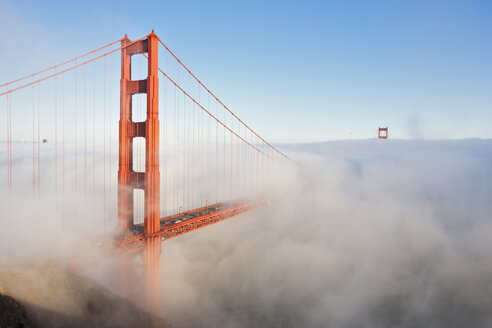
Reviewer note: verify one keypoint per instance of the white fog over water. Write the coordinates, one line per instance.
(369, 233)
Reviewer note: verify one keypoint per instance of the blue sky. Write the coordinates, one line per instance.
(296, 71)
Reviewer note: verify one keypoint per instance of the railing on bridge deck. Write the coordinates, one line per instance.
(188, 221)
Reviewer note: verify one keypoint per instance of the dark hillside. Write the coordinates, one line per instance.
(48, 297)
(13, 314)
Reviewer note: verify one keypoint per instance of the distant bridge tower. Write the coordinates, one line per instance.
(383, 133)
(149, 180)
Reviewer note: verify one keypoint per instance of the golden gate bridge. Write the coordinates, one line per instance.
(184, 159)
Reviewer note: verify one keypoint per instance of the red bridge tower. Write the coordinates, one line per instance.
(149, 180)
(383, 133)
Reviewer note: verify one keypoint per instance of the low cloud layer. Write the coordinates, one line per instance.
(365, 234)
(374, 233)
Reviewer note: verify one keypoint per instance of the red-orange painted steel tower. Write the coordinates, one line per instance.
(383, 133)
(148, 181)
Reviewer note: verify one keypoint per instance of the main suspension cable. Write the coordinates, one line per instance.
(58, 65)
(71, 68)
(218, 100)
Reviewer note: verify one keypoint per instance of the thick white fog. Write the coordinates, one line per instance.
(364, 234)
(371, 233)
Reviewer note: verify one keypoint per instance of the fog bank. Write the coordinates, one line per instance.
(364, 234)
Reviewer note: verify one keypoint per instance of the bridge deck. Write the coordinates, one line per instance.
(184, 222)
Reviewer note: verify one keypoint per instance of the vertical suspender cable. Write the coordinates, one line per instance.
(231, 155)
(181, 153)
(189, 148)
(85, 146)
(193, 150)
(258, 170)
(183, 156)
(189, 151)
(175, 168)
(56, 136)
(63, 149)
(33, 143)
(9, 142)
(200, 156)
(246, 159)
(7, 139)
(164, 149)
(75, 127)
(39, 145)
(94, 129)
(224, 167)
(238, 163)
(104, 143)
(216, 154)
(85, 131)
(166, 142)
(185, 164)
(178, 140)
(63, 133)
(263, 171)
(199, 139)
(209, 153)
(251, 165)
(109, 127)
